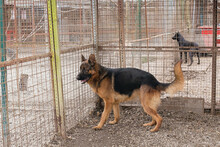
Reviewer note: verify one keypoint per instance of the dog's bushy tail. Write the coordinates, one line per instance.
(177, 84)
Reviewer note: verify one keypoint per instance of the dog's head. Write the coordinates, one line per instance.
(176, 36)
(87, 69)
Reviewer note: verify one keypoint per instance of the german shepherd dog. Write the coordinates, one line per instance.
(122, 84)
(184, 43)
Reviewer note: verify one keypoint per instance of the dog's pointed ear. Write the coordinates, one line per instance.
(83, 58)
(92, 60)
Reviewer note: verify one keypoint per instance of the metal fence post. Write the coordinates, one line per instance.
(121, 33)
(94, 5)
(4, 100)
(56, 67)
(214, 57)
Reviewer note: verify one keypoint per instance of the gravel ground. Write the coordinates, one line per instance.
(178, 129)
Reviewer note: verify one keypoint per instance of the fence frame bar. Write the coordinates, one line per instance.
(56, 67)
(4, 101)
(121, 33)
(214, 58)
(95, 32)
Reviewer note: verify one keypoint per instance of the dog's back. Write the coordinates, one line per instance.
(182, 41)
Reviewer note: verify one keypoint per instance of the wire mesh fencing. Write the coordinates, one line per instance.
(160, 63)
(27, 91)
(149, 28)
(130, 33)
(30, 103)
(75, 30)
(79, 99)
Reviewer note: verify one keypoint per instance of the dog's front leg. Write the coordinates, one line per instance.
(105, 114)
(198, 55)
(116, 110)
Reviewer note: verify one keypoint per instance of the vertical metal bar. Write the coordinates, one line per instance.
(139, 30)
(4, 101)
(214, 57)
(121, 33)
(94, 4)
(146, 27)
(127, 7)
(201, 12)
(139, 20)
(56, 66)
(33, 22)
(53, 65)
(146, 21)
(19, 25)
(80, 22)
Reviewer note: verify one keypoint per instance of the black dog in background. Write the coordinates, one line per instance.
(184, 43)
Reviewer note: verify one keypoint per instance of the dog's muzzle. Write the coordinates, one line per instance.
(83, 78)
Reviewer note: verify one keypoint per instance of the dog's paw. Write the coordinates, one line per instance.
(112, 122)
(154, 130)
(97, 127)
(149, 124)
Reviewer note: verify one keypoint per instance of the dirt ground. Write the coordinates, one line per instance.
(178, 129)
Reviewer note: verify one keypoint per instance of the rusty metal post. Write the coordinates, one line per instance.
(94, 7)
(121, 33)
(214, 57)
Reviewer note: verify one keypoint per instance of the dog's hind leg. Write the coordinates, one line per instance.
(116, 114)
(105, 114)
(191, 58)
(181, 55)
(185, 53)
(198, 55)
(150, 100)
(153, 122)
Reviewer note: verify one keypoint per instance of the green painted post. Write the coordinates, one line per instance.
(56, 66)
(53, 66)
(4, 101)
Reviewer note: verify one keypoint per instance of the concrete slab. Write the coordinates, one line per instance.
(195, 105)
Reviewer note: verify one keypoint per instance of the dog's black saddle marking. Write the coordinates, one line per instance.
(126, 80)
